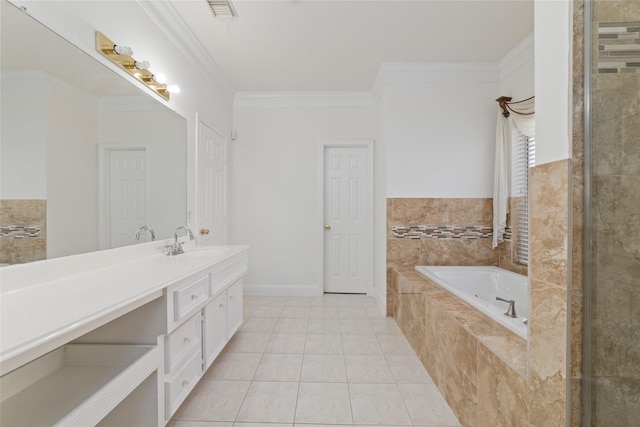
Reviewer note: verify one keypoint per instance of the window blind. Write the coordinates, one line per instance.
(524, 153)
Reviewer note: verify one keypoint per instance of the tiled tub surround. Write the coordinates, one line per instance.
(442, 231)
(23, 236)
(478, 365)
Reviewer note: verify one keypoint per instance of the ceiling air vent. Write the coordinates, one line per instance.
(222, 8)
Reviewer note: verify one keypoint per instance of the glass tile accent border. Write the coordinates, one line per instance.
(467, 232)
(19, 231)
(619, 47)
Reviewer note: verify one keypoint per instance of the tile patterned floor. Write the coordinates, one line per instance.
(333, 360)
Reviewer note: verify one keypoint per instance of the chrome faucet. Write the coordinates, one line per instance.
(511, 311)
(176, 247)
(149, 229)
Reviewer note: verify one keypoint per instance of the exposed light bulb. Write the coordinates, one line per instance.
(159, 78)
(122, 50)
(173, 89)
(141, 65)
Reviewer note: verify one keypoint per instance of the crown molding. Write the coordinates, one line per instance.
(517, 57)
(169, 20)
(304, 100)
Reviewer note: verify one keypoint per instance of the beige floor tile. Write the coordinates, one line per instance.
(352, 313)
(298, 301)
(368, 369)
(395, 345)
(215, 401)
(323, 344)
(436, 412)
(279, 367)
(186, 423)
(269, 402)
(234, 366)
(294, 312)
(323, 368)
(355, 327)
(386, 326)
(262, 425)
(323, 403)
(245, 342)
(330, 313)
(286, 343)
(262, 325)
(408, 369)
(267, 311)
(361, 344)
(291, 326)
(323, 326)
(378, 404)
(350, 300)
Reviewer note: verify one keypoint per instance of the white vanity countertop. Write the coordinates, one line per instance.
(38, 318)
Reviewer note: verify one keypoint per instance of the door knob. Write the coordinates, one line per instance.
(204, 231)
(327, 227)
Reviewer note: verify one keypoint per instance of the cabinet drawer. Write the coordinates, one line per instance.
(177, 389)
(184, 340)
(190, 296)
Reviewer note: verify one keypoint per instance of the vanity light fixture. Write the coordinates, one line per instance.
(173, 89)
(142, 65)
(122, 50)
(122, 57)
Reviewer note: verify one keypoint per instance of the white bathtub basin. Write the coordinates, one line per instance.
(479, 286)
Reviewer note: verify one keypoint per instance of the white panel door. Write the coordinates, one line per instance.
(212, 197)
(127, 195)
(347, 233)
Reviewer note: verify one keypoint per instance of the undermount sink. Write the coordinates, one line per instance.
(204, 252)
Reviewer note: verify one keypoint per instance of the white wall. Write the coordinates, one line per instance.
(553, 40)
(23, 140)
(440, 138)
(151, 29)
(275, 190)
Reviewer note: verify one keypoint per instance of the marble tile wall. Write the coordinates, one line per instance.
(615, 239)
(549, 291)
(464, 224)
(18, 247)
(478, 365)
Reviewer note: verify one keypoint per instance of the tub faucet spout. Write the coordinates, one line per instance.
(511, 311)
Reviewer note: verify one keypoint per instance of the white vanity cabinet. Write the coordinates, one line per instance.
(222, 318)
(122, 343)
(203, 313)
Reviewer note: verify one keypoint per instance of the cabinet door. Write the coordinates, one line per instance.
(234, 312)
(215, 328)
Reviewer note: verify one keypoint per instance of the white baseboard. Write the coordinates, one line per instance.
(282, 290)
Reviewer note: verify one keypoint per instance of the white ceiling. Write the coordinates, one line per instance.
(324, 45)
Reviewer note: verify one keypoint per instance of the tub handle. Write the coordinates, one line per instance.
(511, 311)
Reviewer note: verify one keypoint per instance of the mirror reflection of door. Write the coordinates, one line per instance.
(127, 195)
(212, 196)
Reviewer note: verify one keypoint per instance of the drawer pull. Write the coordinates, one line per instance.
(231, 297)
(194, 297)
(185, 383)
(221, 305)
(186, 340)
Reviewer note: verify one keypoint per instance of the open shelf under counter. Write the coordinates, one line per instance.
(77, 384)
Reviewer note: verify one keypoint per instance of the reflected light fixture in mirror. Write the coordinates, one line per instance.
(122, 57)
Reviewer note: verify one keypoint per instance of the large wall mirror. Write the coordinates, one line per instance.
(87, 158)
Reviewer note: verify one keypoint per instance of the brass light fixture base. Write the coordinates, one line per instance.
(105, 46)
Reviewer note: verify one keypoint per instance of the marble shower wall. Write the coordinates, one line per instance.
(23, 235)
(615, 217)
